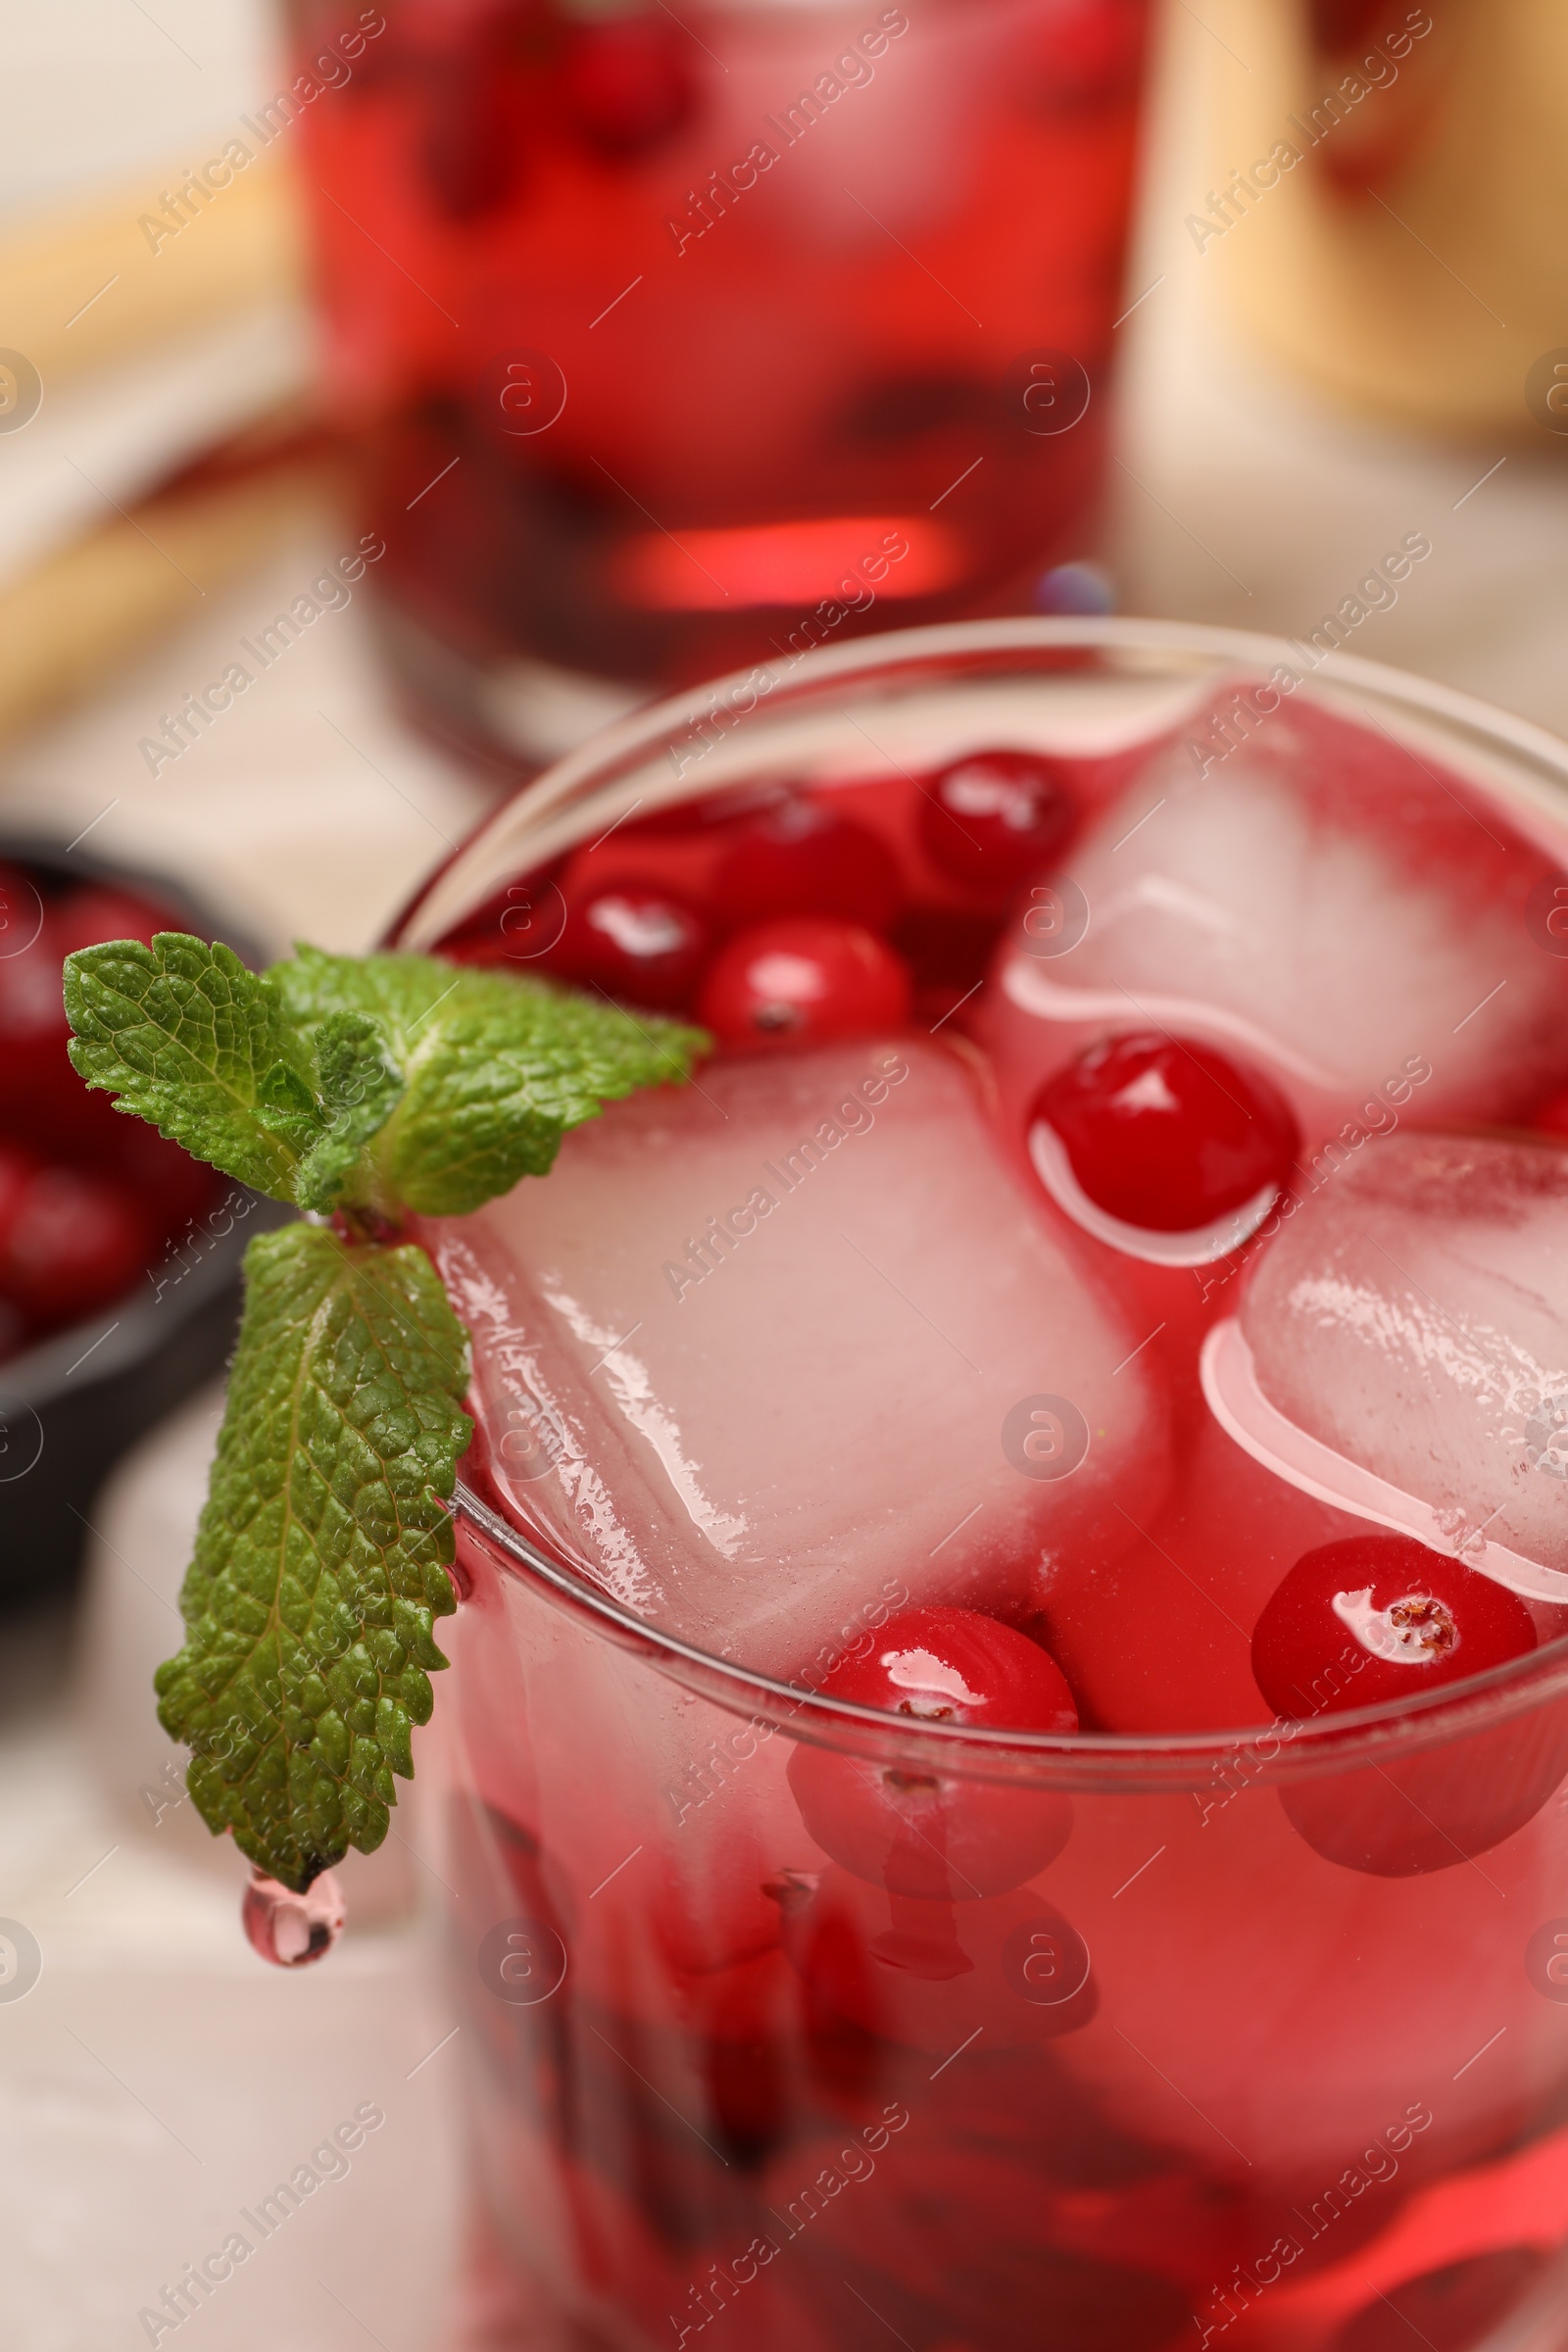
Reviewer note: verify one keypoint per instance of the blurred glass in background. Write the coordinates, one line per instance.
(667, 344)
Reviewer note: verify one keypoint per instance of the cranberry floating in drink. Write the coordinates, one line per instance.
(910, 1830)
(994, 818)
(1163, 1147)
(802, 981)
(799, 858)
(1374, 1620)
(1380, 1617)
(643, 945)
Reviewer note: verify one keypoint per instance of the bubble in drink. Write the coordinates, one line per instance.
(292, 1930)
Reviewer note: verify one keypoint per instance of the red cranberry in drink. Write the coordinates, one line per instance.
(73, 1243)
(798, 857)
(1376, 1618)
(801, 983)
(993, 817)
(947, 1665)
(627, 83)
(519, 925)
(912, 1827)
(641, 944)
(1166, 1134)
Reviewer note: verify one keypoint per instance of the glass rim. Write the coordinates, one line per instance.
(435, 906)
(1362, 1736)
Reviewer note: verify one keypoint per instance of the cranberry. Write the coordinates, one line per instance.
(1376, 1618)
(626, 84)
(911, 1829)
(798, 857)
(642, 944)
(522, 923)
(993, 817)
(1168, 1135)
(73, 1243)
(96, 913)
(173, 1187)
(802, 982)
(944, 1665)
(36, 1079)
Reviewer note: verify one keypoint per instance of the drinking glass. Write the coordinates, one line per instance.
(1272, 2048)
(660, 340)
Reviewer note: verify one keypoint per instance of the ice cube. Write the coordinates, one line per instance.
(1320, 902)
(794, 1345)
(1402, 1350)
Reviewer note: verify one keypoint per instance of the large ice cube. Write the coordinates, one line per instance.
(1403, 1348)
(793, 1345)
(1322, 903)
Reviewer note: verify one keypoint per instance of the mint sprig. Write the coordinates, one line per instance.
(372, 1088)
(323, 1550)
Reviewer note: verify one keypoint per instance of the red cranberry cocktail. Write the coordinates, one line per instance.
(665, 340)
(1011, 1699)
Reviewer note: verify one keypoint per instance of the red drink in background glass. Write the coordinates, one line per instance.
(807, 2011)
(664, 343)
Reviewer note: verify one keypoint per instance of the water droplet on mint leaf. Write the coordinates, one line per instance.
(292, 1930)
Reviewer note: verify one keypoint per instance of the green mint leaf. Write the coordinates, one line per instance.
(321, 1553)
(359, 1089)
(494, 1068)
(191, 1041)
(375, 1086)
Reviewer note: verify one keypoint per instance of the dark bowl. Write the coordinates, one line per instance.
(72, 1403)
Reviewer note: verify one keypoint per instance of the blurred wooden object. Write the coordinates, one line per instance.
(1410, 263)
(86, 287)
(67, 623)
